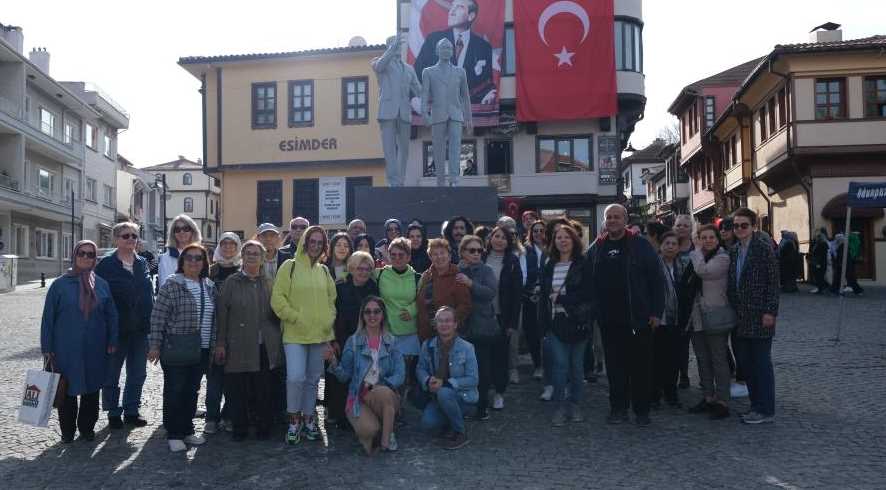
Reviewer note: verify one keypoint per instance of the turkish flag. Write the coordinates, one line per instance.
(565, 59)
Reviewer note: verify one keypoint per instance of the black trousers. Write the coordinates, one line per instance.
(667, 349)
(683, 366)
(492, 362)
(628, 367)
(250, 393)
(532, 331)
(71, 417)
(181, 385)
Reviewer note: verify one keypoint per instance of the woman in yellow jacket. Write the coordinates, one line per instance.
(304, 299)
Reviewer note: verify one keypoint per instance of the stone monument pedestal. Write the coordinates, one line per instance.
(431, 205)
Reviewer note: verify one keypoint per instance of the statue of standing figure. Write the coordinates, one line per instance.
(446, 107)
(396, 81)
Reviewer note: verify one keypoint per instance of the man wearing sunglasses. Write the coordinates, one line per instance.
(297, 227)
(753, 292)
(127, 275)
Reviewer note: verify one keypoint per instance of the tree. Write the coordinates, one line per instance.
(670, 133)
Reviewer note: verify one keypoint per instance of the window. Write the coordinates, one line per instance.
(189, 204)
(69, 189)
(46, 243)
(468, 157)
(727, 153)
(355, 106)
(709, 112)
(628, 46)
(564, 154)
(498, 158)
(107, 195)
(510, 52)
(67, 246)
(209, 231)
(773, 124)
(90, 136)
(683, 127)
(875, 97)
(301, 103)
(695, 178)
(351, 184)
(22, 241)
(69, 133)
(693, 118)
(735, 150)
(264, 105)
(47, 121)
(270, 202)
(107, 141)
(211, 207)
(782, 108)
(829, 101)
(306, 199)
(187, 179)
(761, 122)
(45, 182)
(91, 191)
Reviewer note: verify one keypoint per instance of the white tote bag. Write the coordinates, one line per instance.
(37, 397)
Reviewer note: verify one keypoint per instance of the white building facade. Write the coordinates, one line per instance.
(192, 192)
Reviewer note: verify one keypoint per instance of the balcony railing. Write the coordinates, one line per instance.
(9, 183)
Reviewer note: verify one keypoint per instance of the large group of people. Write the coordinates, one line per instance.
(413, 320)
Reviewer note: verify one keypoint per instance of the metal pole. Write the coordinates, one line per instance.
(842, 278)
(73, 233)
(165, 238)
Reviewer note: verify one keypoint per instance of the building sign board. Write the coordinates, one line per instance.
(607, 159)
(333, 200)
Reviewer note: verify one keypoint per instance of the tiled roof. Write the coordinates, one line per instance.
(654, 152)
(732, 77)
(872, 42)
(180, 164)
(196, 60)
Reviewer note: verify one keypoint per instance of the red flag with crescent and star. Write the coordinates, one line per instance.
(565, 59)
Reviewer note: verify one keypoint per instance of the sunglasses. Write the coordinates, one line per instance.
(743, 226)
(193, 257)
(315, 242)
(88, 255)
(298, 227)
(473, 250)
(181, 229)
(364, 269)
(372, 311)
(128, 236)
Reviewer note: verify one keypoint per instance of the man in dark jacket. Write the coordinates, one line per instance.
(753, 292)
(297, 226)
(628, 296)
(127, 275)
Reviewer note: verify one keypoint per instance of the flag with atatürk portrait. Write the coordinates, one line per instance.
(476, 30)
(565, 59)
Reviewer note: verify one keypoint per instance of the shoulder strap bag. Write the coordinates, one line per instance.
(184, 349)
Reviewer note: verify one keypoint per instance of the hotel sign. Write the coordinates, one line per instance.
(308, 144)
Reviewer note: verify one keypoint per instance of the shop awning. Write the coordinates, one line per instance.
(836, 209)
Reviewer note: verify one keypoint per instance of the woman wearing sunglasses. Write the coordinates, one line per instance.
(127, 276)
(77, 335)
(304, 299)
(481, 327)
(183, 231)
(182, 333)
(374, 368)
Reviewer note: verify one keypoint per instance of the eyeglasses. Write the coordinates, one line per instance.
(364, 269)
(88, 255)
(372, 311)
(252, 254)
(743, 226)
(128, 236)
(193, 257)
(181, 229)
(315, 242)
(474, 250)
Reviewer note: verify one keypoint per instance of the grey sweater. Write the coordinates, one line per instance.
(482, 321)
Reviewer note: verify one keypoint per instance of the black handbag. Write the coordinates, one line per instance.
(184, 349)
(565, 328)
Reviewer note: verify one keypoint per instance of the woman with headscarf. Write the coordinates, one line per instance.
(182, 232)
(419, 243)
(77, 335)
(226, 258)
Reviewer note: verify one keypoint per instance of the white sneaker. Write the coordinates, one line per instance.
(177, 445)
(814, 291)
(211, 428)
(547, 394)
(538, 373)
(515, 377)
(229, 425)
(847, 289)
(738, 390)
(195, 440)
(498, 402)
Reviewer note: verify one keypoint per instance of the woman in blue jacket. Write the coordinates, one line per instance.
(127, 276)
(375, 369)
(78, 332)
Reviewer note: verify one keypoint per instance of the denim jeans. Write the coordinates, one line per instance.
(215, 382)
(304, 366)
(568, 362)
(547, 360)
(133, 350)
(446, 409)
(181, 385)
(756, 360)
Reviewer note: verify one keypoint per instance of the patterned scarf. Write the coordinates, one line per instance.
(88, 299)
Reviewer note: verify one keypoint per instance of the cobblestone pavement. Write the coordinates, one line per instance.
(829, 433)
